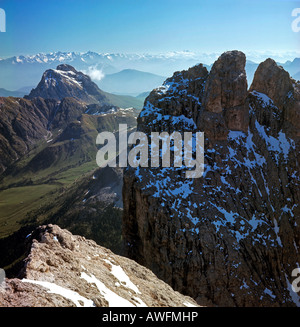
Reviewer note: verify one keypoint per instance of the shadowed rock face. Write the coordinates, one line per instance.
(64, 270)
(275, 82)
(22, 124)
(225, 97)
(231, 237)
(226, 86)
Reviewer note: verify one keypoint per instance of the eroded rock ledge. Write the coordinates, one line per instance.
(67, 270)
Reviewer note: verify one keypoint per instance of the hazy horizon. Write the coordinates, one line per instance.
(259, 28)
(254, 56)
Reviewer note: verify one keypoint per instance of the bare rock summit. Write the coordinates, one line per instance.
(65, 270)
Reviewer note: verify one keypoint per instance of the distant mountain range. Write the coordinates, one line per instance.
(128, 74)
(129, 80)
(22, 71)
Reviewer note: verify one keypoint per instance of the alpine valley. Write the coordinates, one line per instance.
(48, 167)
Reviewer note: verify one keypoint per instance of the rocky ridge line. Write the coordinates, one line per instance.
(64, 270)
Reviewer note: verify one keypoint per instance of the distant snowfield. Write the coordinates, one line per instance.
(207, 57)
(27, 69)
(66, 293)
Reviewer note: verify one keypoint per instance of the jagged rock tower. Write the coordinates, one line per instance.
(231, 237)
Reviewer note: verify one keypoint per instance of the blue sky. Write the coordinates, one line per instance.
(147, 26)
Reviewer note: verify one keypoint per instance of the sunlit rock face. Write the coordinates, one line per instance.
(66, 270)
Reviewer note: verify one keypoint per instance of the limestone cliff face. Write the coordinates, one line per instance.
(65, 270)
(231, 237)
(276, 83)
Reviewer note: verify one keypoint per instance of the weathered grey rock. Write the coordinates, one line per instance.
(226, 86)
(276, 83)
(67, 270)
(231, 237)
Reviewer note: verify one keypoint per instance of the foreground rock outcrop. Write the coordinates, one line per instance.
(67, 270)
(231, 237)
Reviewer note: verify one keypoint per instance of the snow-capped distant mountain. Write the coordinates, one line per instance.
(21, 71)
(94, 57)
(66, 81)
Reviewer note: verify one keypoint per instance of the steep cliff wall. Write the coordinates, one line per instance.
(231, 237)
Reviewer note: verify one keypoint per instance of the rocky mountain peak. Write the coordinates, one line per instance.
(230, 237)
(273, 81)
(66, 68)
(62, 269)
(226, 86)
(216, 101)
(225, 96)
(66, 81)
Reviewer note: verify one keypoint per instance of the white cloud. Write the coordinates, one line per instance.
(94, 73)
